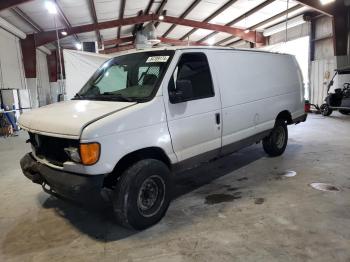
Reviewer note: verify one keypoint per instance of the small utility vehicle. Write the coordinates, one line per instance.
(340, 99)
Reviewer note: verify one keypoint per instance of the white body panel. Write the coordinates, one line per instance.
(251, 88)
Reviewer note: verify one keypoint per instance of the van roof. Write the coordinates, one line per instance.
(199, 47)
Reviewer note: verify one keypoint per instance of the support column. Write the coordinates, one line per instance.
(29, 64)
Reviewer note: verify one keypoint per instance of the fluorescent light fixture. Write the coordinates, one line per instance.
(51, 7)
(211, 41)
(64, 33)
(282, 26)
(326, 2)
(78, 46)
(246, 31)
(161, 17)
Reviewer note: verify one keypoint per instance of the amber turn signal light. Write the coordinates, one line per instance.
(89, 153)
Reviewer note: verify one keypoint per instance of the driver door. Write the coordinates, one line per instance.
(194, 124)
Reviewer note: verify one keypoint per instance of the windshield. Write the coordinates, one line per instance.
(132, 77)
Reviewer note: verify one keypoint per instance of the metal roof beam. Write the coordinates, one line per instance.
(160, 11)
(212, 16)
(252, 36)
(121, 15)
(269, 20)
(24, 17)
(93, 14)
(49, 36)
(240, 18)
(64, 19)
(183, 15)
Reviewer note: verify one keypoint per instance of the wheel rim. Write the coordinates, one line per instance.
(279, 137)
(151, 196)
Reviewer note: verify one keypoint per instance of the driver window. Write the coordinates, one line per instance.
(194, 67)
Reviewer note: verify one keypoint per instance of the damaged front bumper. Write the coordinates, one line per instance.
(85, 189)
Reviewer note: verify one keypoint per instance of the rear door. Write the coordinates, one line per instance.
(195, 124)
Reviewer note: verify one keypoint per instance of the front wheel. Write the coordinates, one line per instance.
(275, 144)
(325, 110)
(141, 197)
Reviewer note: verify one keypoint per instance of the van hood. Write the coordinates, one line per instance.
(70, 117)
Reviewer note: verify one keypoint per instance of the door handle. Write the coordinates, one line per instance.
(217, 118)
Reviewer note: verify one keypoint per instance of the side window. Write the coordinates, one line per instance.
(193, 75)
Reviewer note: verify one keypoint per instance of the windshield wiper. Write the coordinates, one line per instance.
(113, 96)
(78, 96)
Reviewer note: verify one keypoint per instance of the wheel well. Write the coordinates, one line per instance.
(131, 158)
(286, 116)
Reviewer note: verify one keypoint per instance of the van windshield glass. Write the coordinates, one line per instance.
(132, 77)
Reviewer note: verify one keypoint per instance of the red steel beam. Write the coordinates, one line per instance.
(118, 49)
(252, 36)
(4, 4)
(240, 18)
(119, 41)
(49, 36)
(183, 15)
(29, 56)
(179, 42)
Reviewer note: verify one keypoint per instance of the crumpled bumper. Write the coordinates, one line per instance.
(82, 188)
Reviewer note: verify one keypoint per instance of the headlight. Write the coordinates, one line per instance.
(73, 154)
(90, 153)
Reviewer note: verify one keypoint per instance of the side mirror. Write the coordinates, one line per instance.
(183, 91)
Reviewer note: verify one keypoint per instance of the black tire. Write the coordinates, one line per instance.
(345, 112)
(275, 144)
(325, 110)
(141, 197)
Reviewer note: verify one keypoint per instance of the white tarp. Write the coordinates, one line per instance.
(79, 67)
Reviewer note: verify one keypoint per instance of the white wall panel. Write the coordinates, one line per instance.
(11, 75)
(43, 83)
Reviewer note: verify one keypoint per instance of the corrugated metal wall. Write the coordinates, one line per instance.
(321, 73)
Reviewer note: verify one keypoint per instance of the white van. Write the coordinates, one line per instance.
(144, 115)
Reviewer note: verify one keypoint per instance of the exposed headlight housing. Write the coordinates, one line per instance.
(87, 153)
(73, 154)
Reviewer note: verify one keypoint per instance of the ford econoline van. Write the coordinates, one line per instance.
(147, 114)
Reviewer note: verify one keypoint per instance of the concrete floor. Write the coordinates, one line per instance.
(238, 208)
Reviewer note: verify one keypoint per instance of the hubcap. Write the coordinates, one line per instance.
(151, 196)
(279, 137)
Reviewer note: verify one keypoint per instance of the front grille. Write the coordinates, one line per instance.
(52, 148)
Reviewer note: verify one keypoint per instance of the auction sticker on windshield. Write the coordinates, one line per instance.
(157, 59)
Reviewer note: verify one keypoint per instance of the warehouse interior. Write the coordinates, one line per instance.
(242, 207)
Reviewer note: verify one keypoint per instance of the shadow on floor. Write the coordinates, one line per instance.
(47, 229)
(98, 222)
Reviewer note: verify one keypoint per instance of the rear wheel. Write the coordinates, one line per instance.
(141, 197)
(325, 110)
(275, 144)
(345, 112)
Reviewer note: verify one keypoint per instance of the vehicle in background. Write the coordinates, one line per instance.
(146, 115)
(340, 99)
